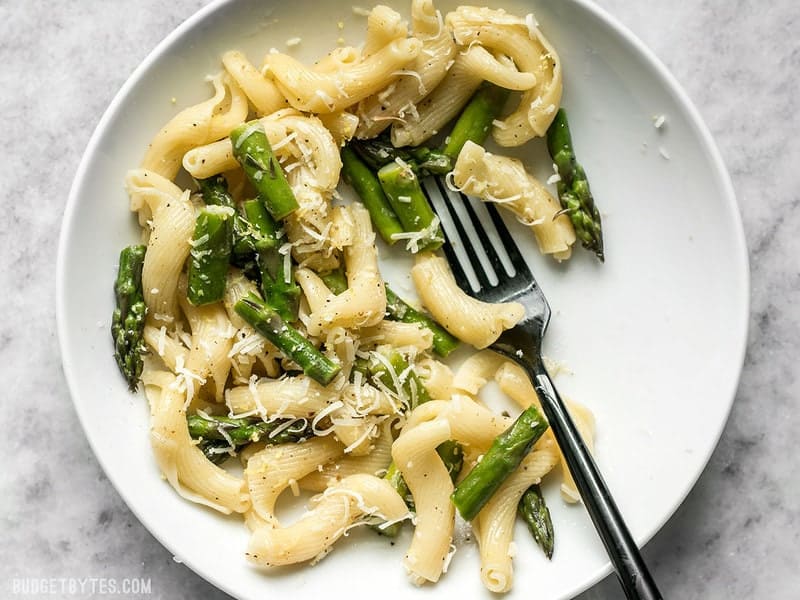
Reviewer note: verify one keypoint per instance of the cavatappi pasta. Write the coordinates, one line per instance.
(222, 383)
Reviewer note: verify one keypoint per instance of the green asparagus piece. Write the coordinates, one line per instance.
(450, 452)
(215, 192)
(475, 120)
(452, 456)
(262, 231)
(335, 280)
(287, 339)
(217, 449)
(413, 389)
(277, 285)
(398, 310)
(573, 188)
(379, 152)
(368, 188)
(251, 148)
(505, 454)
(394, 477)
(127, 324)
(534, 511)
(411, 206)
(210, 254)
(245, 430)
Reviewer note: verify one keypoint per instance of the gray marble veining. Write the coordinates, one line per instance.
(736, 535)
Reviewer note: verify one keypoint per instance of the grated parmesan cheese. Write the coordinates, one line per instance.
(533, 25)
(249, 130)
(322, 414)
(415, 237)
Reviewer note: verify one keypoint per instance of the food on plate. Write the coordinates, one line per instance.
(573, 186)
(258, 320)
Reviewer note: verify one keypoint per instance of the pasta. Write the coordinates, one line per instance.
(471, 320)
(195, 126)
(439, 107)
(401, 97)
(500, 32)
(504, 180)
(310, 91)
(302, 364)
(181, 462)
(340, 507)
(261, 92)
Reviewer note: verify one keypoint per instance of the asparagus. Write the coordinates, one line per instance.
(450, 452)
(245, 430)
(398, 310)
(335, 280)
(368, 188)
(534, 511)
(210, 255)
(476, 119)
(127, 324)
(413, 389)
(406, 197)
(287, 339)
(452, 455)
(379, 152)
(215, 192)
(505, 454)
(573, 188)
(208, 431)
(251, 148)
(277, 283)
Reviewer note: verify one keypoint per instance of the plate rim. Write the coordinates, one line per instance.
(649, 58)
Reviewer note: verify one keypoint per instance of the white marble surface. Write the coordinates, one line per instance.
(737, 534)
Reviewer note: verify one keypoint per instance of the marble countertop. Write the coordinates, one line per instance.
(737, 533)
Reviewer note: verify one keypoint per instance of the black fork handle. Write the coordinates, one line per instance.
(628, 563)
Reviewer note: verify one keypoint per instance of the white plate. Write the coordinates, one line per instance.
(654, 338)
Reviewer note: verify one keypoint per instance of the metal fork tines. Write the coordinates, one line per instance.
(488, 265)
(486, 261)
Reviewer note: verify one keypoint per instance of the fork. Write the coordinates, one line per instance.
(464, 229)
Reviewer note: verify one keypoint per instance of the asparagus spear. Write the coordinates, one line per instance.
(475, 120)
(215, 192)
(127, 324)
(450, 452)
(413, 389)
(368, 188)
(398, 310)
(287, 339)
(573, 188)
(210, 254)
(245, 430)
(534, 511)
(212, 442)
(424, 161)
(275, 269)
(251, 148)
(336, 281)
(452, 455)
(412, 208)
(505, 454)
